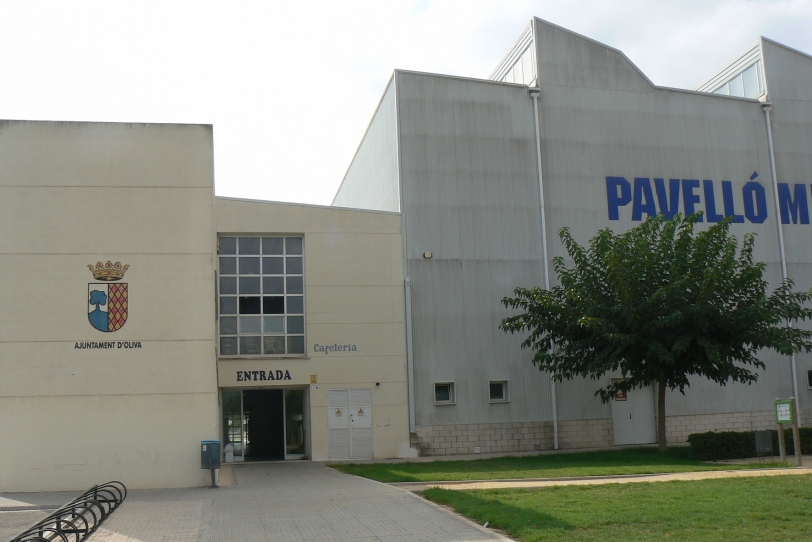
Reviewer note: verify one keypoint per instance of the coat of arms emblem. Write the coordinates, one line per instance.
(107, 300)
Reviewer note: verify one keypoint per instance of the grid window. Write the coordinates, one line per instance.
(444, 393)
(261, 296)
(498, 391)
(809, 379)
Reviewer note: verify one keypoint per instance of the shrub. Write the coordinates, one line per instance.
(714, 446)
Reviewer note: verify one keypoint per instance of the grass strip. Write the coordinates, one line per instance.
(740, 509)
(598, 463)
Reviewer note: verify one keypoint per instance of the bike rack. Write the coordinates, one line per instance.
(77, 520)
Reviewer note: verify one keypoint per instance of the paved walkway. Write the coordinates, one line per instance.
(299, 501)
(303, 501)
(595, 480)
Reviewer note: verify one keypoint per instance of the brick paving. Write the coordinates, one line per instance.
(300, 501)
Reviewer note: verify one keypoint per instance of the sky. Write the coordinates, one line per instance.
(290, 87)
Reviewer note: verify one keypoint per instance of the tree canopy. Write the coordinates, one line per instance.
(659, 303)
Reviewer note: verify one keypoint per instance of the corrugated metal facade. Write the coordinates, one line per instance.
(371, 181)
(598, 122)
(470, 197)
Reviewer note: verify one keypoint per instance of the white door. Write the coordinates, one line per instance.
(349, 422)
(633, 417)
(338, 424)
(361, 424)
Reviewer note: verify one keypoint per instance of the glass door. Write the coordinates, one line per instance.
(233, 423)
(295, 442)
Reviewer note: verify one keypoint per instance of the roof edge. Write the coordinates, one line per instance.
(596, 42)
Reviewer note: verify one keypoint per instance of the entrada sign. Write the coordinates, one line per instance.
(243, 376)
(654, 196)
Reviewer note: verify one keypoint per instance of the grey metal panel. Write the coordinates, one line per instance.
(789, 83)
(589, 134)
(470, 197)
(468, 168)
(569, 59)
(789, 75)
(788, 72)
(706, 397)
(456, 316)
(576, 400)
(371, 181)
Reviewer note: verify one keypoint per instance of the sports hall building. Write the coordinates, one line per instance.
(369, 329)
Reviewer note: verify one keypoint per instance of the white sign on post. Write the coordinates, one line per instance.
(783, 412)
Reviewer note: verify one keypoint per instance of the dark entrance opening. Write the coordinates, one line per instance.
(264, 424)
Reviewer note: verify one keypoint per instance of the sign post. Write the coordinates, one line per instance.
(784, 415)
(796, 434)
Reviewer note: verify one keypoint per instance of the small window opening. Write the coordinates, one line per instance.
(499, 391)
(444, 393)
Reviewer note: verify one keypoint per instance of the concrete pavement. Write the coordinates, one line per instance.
(291, 501)
(302, 501)
(526, 483)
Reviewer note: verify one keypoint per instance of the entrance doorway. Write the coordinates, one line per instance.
(633, 417)
(265, 425)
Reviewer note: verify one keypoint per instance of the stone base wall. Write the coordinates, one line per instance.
(510, 437)
(488, 437)
(574, 434)
(677, 428)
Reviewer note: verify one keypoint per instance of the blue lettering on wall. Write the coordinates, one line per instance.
(710, 203)
(793, 202)
(689, 199)
(669, 203)
(793, 206)
(755, 202)
(643, 201)
(730, 209)
(616, 199)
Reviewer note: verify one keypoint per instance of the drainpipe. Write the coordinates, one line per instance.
(767, 107)
(409, 352)
(535, 92)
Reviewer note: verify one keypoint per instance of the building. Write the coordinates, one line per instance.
(369, 329)
(464, 161)
(180, 344)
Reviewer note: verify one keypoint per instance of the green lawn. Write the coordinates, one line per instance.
(608, 462)
(746, 509)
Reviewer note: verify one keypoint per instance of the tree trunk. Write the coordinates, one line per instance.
(661, 413)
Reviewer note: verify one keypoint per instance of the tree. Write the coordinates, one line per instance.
(659, 303)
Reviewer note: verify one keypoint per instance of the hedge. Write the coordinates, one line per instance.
(713, 446)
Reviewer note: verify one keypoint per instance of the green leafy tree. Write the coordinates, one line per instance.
(659, 304)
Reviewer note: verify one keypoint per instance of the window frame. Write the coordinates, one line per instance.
(451, 393)
(809, 379)
(505, 392)
(286, 335)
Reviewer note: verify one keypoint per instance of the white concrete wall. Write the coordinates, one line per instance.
(354, 294)
(73, 194)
